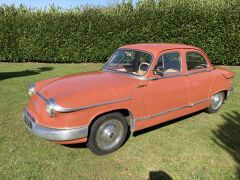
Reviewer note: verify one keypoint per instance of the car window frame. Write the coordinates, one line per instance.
(180, 57)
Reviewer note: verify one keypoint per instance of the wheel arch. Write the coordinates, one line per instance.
(125, 112)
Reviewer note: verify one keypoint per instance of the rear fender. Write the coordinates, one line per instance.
(221, 82)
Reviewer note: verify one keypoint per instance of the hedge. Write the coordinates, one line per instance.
(92, 34)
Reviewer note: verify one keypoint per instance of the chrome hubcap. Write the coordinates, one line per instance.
(109, 134)
(216, 101)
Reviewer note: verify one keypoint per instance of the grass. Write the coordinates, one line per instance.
(199, 146)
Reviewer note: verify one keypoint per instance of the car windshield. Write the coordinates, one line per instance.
(129, 61)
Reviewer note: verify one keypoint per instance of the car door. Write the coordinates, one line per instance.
(199, 76)
(169, 92)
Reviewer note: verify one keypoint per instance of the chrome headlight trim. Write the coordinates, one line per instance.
(31, 89)
(50, 107)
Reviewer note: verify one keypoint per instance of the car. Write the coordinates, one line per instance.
(140, 86)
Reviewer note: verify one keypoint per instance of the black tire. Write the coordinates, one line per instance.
(109, 128)
(211, 109)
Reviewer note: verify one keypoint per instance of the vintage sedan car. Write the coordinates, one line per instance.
(141, 85)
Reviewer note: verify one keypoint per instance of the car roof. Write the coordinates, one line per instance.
(155, 48)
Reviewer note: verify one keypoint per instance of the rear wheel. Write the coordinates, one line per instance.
(216, 102)
(107, 133)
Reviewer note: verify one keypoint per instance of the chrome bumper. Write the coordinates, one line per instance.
(230, 91)
(53, 134)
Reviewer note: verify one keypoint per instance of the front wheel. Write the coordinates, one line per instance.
(216, 102)
(107, 133)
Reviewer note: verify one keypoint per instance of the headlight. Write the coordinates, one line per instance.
(31, 89)
(50, 108)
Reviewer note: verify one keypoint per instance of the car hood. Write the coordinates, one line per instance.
(88, 88)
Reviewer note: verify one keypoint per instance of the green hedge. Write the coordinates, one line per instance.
(92, 34)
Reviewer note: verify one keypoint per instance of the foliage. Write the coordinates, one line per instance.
(92, 34)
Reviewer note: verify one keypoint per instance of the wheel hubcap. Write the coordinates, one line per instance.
(216, 101)
(109, 134)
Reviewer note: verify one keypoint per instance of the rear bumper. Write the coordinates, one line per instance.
(230, 91)
(53, 134)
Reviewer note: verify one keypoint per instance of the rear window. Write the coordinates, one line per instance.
(195, 61)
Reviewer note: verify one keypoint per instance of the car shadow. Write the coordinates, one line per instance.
(228, 136)
(14, 74)
(155, 127)
(159, 175)
(76, 146)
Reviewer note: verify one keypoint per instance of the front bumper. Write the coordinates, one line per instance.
(53, 134)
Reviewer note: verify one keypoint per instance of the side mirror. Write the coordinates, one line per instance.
(158, 71)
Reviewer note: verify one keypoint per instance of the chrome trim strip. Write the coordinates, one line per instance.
(165, 77)
(64, 110)
(141, 119)
(54, 134)
(58, 108)
(171, 110)
(199, 102)
(200, 71)
(42, 97)
(161, 113)
(158, 114)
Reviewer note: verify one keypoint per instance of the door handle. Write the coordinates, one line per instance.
(141, 85)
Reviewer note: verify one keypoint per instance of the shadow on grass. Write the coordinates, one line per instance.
(228, 136)
(158, 175)
(75, 146)
(138, 133)
(14, 74)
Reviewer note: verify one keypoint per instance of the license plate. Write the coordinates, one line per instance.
(28, 122)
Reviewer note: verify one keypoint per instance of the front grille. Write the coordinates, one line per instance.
(28, 122)
(29, 116)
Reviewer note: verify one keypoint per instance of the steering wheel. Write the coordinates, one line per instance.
(142, 68)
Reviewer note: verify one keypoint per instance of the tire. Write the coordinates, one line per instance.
(216, 103)
(107, 133)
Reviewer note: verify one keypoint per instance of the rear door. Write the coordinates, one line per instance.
(199, 75)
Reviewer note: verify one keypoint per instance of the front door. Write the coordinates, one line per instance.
(170, 92)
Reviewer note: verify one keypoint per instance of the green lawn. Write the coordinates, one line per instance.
(200, 146)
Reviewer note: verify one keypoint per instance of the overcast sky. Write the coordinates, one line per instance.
(61, 3)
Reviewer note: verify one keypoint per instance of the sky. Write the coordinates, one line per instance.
(61, 3)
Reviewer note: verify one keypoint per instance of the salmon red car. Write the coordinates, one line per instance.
(141, 85)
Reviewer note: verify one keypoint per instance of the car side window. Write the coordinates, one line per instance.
(169, 62)
(195, 61)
